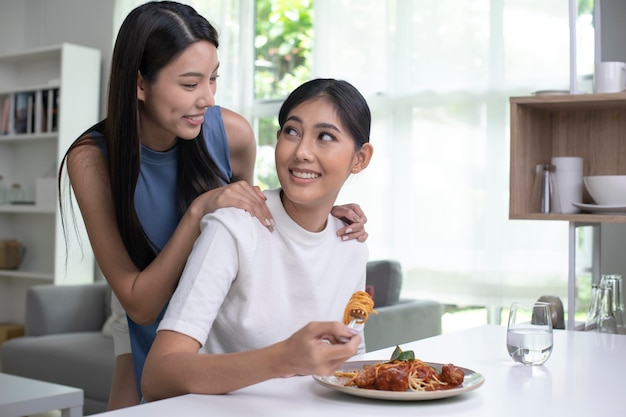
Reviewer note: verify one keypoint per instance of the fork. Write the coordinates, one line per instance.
(357, 316)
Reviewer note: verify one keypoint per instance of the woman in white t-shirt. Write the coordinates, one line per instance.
(253, 305)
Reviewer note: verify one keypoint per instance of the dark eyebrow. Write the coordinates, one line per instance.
(197, 74)
(328, 126)
(191, 74)
(318, 125)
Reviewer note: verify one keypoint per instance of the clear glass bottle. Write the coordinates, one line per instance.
(615, 282)
(620, 313)
(606, 320)
(545, 191)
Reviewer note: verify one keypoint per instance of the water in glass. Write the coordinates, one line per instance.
(529, 333)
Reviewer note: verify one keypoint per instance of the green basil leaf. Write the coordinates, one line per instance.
(400, 355)
(396, 353)
(407, 356)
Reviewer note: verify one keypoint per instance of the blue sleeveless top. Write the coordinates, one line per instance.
(155, 193)
(156, 206)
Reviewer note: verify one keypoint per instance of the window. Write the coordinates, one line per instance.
(283, 47)
(438, 75)
(283, 53)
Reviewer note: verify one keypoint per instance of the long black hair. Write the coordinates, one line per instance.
(151, 36)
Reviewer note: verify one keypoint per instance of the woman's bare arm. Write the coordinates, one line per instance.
(242, 145)
(175, 367)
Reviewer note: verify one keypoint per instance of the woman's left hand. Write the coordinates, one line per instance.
(354, 218)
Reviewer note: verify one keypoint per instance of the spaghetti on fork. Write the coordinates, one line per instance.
(358, 309)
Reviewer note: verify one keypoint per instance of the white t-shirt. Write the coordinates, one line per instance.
(245, 287)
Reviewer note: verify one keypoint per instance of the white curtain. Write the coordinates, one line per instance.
(438, 75)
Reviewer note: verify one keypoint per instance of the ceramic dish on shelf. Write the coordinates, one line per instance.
(596, 208)
(551, 92)
(606, 190)
(471, 381)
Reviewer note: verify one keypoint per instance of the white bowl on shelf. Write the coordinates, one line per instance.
(607, 190)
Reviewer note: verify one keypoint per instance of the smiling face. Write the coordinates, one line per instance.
(174, 105)
(315, 154)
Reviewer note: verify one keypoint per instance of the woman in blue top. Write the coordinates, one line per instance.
(163, 158)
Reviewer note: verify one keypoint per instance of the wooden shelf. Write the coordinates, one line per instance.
(592, 126)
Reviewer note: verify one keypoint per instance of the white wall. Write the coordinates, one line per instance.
(613, 48)
(32, 24)
(613, 30)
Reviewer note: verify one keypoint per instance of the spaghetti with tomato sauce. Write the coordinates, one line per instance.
(404, 374)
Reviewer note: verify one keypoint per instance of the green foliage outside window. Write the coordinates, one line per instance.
(283, 60)
(283, 45)
(585, 7)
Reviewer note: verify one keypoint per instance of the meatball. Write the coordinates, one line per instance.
(366, 378)
(452, 375)
(393, 379)
(425, 372)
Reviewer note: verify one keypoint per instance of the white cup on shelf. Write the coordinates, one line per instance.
(610, 77)
(569, 179)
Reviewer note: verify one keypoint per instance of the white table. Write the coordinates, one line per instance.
(584, 377)
(23, 396)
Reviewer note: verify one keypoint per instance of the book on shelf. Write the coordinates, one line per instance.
(53, 109)
(47, 109)
(29, 112)
(23, 121)
(5, 117)
(40, 111)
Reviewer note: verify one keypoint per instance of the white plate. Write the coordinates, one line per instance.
(472, 381)
(551, 92)
(596, 208)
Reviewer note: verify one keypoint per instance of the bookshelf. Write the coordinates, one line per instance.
(48, 97)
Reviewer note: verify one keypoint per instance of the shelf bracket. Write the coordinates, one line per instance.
(571, 278)
(595, 268)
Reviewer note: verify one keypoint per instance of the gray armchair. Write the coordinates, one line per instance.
(398, 320)
(64, 342)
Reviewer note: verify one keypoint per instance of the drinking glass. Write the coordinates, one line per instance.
(529, 333)
(606, 319)
(614, 281)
